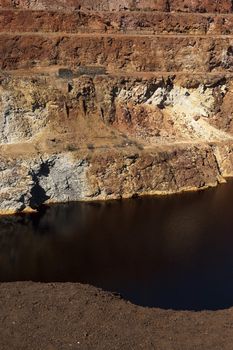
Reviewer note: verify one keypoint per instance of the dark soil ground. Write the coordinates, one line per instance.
(73, 316)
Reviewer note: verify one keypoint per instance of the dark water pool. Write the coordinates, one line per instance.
(171, 252)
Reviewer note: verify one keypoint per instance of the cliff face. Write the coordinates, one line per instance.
(111, 99)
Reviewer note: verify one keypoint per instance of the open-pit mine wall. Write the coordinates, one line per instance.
(113, 99)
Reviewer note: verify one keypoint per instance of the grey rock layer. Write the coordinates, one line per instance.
(29, 183)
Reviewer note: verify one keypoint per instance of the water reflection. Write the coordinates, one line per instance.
(170, 252)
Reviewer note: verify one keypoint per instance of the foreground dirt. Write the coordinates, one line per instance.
(73, 316)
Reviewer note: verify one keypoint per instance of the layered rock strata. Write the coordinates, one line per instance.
(113, 99)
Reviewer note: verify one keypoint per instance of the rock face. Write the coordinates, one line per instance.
(113, 99)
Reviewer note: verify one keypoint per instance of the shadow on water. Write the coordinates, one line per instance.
(172, 252)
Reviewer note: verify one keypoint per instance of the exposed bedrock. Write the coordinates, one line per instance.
(139, 22)
(109, 175)
(104, 138)
(113, 99)
(224, 6)
(117, 52)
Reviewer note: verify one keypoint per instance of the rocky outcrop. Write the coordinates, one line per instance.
(106, 99)
(224, 6)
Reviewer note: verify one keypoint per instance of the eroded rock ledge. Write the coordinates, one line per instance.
(113, 103)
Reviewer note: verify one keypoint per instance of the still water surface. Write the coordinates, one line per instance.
(170, 252)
